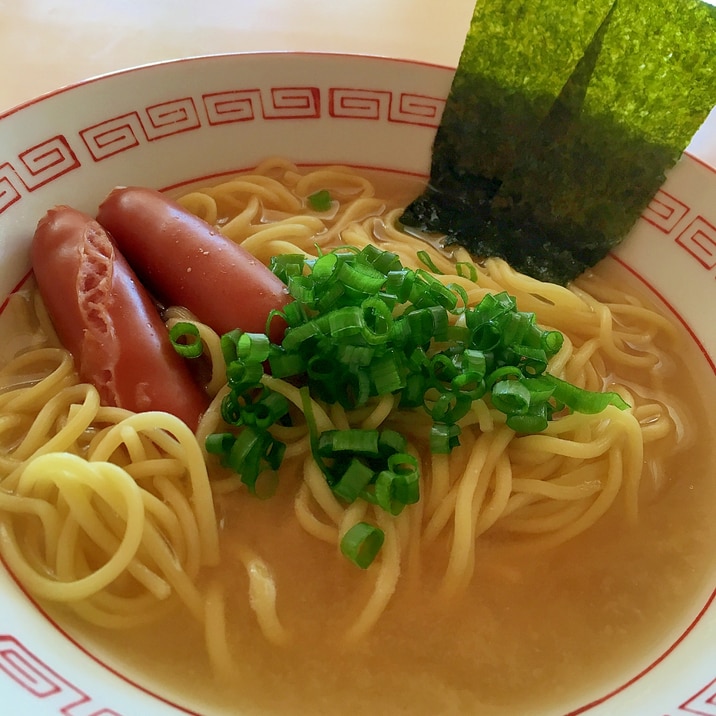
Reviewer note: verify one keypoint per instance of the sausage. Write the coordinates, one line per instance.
(107, 319)
(185, 261)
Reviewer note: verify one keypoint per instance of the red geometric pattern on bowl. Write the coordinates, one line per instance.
(172, 117)
(44, 683)
(419, 109)
(45, 162)
(359, 104)
(242, 105)
(9, 193)
(233, 106)
(293, 103)
(702, 703)
(665, 211)
(113, 136)
(354, 103)
(699, 239)
(51, 159)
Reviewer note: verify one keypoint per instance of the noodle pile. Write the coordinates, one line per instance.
(114, 514)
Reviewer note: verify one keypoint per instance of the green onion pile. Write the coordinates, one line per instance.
(362, 325)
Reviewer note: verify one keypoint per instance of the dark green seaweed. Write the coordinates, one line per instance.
(561, 124)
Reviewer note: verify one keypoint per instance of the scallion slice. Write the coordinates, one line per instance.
(361, 544)
(186, 340)
(354, 480)
(320, 200)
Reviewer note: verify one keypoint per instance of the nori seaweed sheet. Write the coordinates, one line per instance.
(561, 124)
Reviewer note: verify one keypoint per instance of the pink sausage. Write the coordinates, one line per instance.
(185, 261)
(107, 319)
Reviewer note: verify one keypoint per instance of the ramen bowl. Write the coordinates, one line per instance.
(201, 120)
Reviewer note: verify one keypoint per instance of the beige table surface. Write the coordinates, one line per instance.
(45, 44)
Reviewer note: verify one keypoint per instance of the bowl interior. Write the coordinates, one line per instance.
(175, 123)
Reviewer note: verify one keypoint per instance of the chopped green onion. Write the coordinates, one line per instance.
(360, 277)
(414, 391)
(386, 373)
(241, 375)
(353, 481)
(284, 364)
(512, 397)
(383, 261)
(231, 409)
(399, 282)
(219, 443)
(450, 407)
(532, 361)
(361, 544)
(427, 323)
(390, 442)
(296, 336)
(377, 321)
(584, 401)
(403, 463)
(473, 361)
(439, 293)
(294, 313)
(252, 453)
(186, 340)
(266, 410)
(354, 441)
(253, 347)
(326, 266)
(466, 270)
(472, 385)
(385, 493)
(362, 326)
(346, 321)
(541, 388)
(320, 200)
(527, 422)
(552, 342)
(425, 258)
(462, 294)
(286, 265)
(505, 373)
(444, 438)
(228, 343)
(301, 289)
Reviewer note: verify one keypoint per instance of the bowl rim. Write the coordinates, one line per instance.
(150, 64)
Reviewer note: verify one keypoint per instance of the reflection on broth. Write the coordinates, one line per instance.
(536, 572)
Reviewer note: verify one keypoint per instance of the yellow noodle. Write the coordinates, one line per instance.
(321, 492)
(23, 396)
(469, 498)
(385, 582)
(215, 635)
(201, 204)
(439, 481)
(501, 491)
(109, 612)
(381, 411)
(182, 444)
(68, 472)
(185, 538)
(309, 521)
(262, 597)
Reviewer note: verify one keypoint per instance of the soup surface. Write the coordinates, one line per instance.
(539, 629)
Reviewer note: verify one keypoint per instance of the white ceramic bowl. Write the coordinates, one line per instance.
(172, 123)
